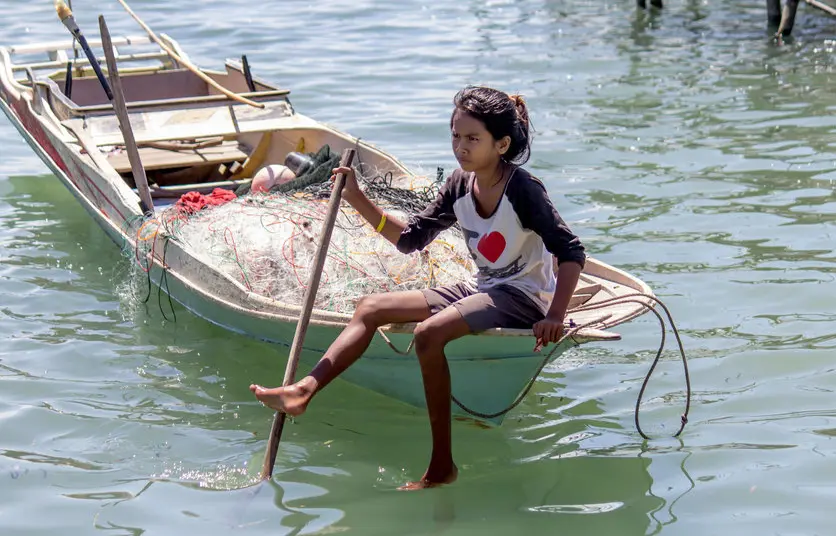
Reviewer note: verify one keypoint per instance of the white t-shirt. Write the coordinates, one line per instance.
(514, 245)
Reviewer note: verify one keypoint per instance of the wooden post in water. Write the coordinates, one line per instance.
(643, 3)
(773, 12)
(788, 18)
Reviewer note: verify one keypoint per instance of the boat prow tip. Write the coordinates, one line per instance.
(592, 334)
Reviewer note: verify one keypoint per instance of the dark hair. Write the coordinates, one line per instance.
(502, 114)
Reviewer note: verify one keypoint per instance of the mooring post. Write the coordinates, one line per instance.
(773, 12)
(788, 18)
(655, 3)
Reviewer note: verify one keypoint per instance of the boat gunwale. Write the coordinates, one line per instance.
(67, 44)
(7, 74)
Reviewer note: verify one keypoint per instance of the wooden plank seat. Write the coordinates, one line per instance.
(158, 157)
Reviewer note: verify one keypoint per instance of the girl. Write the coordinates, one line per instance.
(511, 229)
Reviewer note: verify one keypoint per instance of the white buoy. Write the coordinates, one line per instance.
(270, 176)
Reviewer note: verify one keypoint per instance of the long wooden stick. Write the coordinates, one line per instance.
(307, 308)
(124, 121)
(196, 70)
(823, 7)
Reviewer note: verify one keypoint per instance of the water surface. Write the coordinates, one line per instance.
(683, 146)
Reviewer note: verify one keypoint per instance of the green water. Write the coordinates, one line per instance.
(683, 146)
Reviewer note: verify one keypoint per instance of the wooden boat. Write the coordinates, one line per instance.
(74, 135)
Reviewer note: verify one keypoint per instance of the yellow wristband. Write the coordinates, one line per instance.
(382, 222)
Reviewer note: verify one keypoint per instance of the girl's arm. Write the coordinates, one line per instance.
(407, 237)
(550, 329)
(568, 274)
(391, 228)
(536, 212)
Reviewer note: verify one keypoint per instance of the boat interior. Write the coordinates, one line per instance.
(190, 136)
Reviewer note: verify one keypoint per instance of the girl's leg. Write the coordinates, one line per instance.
(431, 336)
(371, 313)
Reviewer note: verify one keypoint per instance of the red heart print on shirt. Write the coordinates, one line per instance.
(491, 246)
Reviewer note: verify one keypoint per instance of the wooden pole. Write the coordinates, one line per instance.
(307, 308)
(788, 18)
(824, 7)
(125, 122)
(773, 12)
(186, 63)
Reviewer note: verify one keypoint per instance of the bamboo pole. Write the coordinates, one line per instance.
(196, 70)
(822, 6)
(125, 122)
(307, 309)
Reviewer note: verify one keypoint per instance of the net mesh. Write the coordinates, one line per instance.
(268, 242)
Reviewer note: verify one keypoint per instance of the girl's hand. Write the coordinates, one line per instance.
(546, 331)
(351, 190)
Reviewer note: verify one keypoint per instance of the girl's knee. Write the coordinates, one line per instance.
(431, 335)
(424, 335)
(368, 309)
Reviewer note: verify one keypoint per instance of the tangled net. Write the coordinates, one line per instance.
(268, 242)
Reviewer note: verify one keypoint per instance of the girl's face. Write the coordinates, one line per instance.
(474, 147)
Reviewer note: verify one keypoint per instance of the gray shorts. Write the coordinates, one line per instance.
(500, 307)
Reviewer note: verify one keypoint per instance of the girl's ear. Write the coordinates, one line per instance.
(503, 145)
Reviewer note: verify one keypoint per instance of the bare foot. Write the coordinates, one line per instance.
(433, 478)
(292, 399)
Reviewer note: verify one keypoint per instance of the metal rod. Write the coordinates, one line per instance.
(68, 81)
(66, 16)
(248, 76)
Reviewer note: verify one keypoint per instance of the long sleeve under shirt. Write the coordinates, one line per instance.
(510, 247)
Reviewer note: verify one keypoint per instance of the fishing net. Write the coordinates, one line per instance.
(268, 242)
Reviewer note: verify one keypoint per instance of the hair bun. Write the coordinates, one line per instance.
(522, 110)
